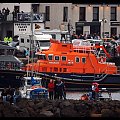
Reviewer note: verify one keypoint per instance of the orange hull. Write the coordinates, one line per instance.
(64, 58)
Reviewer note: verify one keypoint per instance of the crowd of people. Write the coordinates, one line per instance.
(3, 13)
(56, 89)
(11, 95)
(112, 47)
(93, 36)
(93, 94)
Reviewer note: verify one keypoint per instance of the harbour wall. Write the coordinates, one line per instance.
(60, 108)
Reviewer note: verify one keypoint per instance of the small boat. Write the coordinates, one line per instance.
(10, 72)
(33, 88)
(77, 66)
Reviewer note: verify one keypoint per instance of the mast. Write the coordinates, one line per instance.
(32, 42)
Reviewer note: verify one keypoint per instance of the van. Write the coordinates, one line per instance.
(40, 41)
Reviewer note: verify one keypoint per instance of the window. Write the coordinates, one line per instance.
(44, 69)
(113, 31)
(50, 69)
(42, 57)
(35, 8)
(50, 57)
(60, 69)
(83, 60)
(57, 57)
(65, 14)
(2, 52)
(28, 40)
(17, 9)
(95, 13)
(53, 36)
(63, 58)
(22, 40)
(64, 69)
(55, 69)
(47, 11)
(77, 59)
(82, 14)
(113, 13)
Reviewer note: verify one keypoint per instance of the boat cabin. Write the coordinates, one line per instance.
(61, 58)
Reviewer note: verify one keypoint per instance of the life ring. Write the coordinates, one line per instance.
(102, 59)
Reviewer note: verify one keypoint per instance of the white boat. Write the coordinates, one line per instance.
(32, 87)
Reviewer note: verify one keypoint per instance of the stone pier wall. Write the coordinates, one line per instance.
(60, 108)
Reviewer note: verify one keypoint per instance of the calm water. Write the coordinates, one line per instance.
(77, 95)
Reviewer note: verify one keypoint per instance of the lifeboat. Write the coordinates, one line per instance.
(78, 66)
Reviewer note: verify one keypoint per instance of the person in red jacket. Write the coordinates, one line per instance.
(51, 89)
(95, 91)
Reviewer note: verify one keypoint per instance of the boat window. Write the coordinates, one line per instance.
(51, 69)
(60, 69)
(55, 69)
(64, 69)
(10, 52)
(2, 52)
(44, 43)
(83, 60)
(53, 36)
(44, 69)
(50, 57)
(28, 82)
(64, 58)
(77, 59)
(41, 57)
(57, 57)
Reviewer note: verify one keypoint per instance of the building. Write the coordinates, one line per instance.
(19, 21)
(85, 18)
(103, 19)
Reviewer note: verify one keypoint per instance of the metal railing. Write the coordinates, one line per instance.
(23, 17)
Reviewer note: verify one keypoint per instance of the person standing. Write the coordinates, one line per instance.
(64, 90)
(17, 95)
(56, 89)
(4, 95)
(51, 89)
(61, 90)
(95, 91)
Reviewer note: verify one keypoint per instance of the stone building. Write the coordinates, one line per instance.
(84, 18)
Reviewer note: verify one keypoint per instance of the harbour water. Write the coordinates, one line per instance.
(77, 95)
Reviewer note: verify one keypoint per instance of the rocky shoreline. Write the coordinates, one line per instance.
(60, 108)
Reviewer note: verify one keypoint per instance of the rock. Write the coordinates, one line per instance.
(32, 112)
(95, 115)
(31, 104)
(45, 113)
(107, 113)
(39, 105)
(68, 112)
(24, 113)
(57, 113)
(66, 103)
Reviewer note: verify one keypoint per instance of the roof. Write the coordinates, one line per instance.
(9, 58)
(6, 47)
